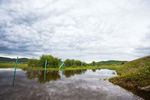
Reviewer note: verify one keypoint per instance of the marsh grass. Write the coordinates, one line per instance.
(12, 65)
(134, 74)
(26, 67)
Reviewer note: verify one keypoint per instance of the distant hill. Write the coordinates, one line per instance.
(138, 63)
(6, 59)
(111, 62)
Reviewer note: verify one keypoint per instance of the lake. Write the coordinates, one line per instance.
(62, 85)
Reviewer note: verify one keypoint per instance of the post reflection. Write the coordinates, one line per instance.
(51, 75)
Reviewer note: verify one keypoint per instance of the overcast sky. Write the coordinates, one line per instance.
(80, 29)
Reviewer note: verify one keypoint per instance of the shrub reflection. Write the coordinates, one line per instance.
(51, 75)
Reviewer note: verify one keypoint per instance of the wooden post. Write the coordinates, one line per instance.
(15, 71)
(45, 69)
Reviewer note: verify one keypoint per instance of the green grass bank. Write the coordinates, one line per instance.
(134, 75)
(26, 67)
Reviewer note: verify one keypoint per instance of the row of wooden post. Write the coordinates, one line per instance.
(44, 71)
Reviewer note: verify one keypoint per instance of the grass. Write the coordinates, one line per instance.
(134, 75)
(12, 65)
(26, 67)
(133, 78)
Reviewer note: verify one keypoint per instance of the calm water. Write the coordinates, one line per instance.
(62, 85)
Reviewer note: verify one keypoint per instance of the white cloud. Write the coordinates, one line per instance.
(81, 29)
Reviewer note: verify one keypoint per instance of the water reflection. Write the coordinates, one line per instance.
(70, 73)
(88, 85)
(51, 75)
(94, 70)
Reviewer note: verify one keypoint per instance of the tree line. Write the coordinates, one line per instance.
(54, 62)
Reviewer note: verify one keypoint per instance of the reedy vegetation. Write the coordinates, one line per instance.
(134, 74)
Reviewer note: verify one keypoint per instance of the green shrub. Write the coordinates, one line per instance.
(69, 62)
(33, 63)
(72, 62)
(52, 62)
